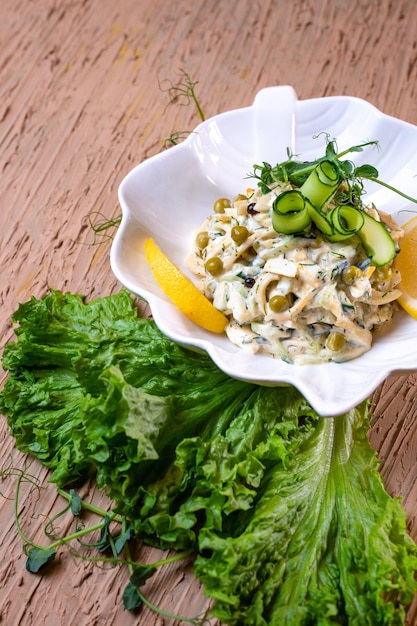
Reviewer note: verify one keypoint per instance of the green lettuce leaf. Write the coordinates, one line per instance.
(323, 543)
(286, 510)
(93, 387)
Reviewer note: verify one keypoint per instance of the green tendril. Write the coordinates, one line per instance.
(38, 557)
(183, 93)
(100, 225)
(197, 621)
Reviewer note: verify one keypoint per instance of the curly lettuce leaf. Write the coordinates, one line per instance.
(286, 510)
(91, 386)
(323, 543)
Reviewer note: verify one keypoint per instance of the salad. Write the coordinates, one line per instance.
(301, 266)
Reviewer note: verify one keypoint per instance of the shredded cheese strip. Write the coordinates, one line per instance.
(334, 300)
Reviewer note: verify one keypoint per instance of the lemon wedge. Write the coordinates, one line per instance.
(406, 263)
(182, 292)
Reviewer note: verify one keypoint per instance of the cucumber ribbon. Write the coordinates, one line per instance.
(294, 209)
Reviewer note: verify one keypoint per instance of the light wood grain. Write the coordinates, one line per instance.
(83, 99)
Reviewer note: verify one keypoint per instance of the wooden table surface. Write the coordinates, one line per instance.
(84, 98)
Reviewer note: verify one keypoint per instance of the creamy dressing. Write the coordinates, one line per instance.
(332, 298)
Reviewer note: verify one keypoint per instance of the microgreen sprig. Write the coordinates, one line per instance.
(183, 93)
(176, 137)
(296, 172)
(39, 557)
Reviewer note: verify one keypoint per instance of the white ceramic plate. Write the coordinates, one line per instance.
(169, 195)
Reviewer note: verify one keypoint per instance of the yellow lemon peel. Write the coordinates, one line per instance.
(406, 263)
(182, 292)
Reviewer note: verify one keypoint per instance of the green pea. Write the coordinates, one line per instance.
(382, 274)
(221, 204)
(214, 265)
(202, 239)
(239, 198)
(335, 342)
(278, 303)
(239, 234)
(351, 273)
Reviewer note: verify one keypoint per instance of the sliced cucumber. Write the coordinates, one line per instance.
(322, 184)
(320, 219)
(346, 220)
(377, 241)
(292, 212)
(289, 212)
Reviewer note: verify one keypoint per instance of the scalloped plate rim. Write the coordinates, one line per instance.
(134, 228)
